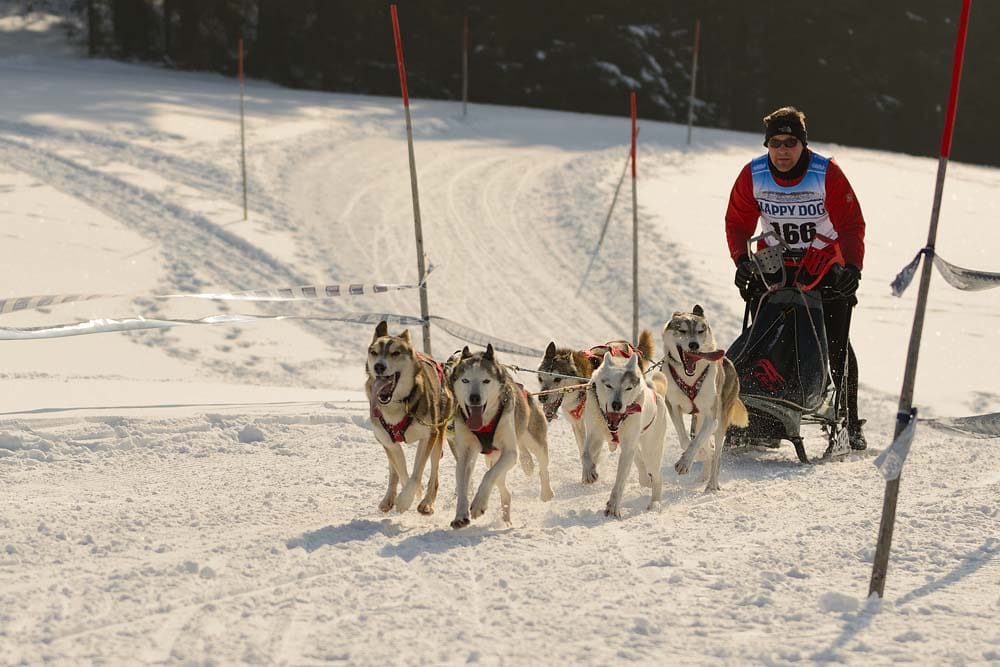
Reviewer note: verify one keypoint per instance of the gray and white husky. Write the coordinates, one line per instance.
(702, 382)
(498, 419)
(409, 401)
(625, 409)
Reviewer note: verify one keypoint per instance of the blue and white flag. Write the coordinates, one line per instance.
(890, 462)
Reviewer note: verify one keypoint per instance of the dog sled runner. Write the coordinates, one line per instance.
(783, 360)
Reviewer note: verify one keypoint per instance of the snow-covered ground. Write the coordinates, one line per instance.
(208, 494)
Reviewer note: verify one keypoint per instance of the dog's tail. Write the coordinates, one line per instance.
(738, 414)
(646, 347)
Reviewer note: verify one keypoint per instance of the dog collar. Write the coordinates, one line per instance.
(485, 434)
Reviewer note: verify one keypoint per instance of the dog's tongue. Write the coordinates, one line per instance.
(689, 360)
(383, 386)
(475, 418)
(615, 419)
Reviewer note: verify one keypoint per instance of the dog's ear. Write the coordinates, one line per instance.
(465, 352)
(381, 329)
(489, 352)
(633, 363)
(607, 358)
(405, 335)
(698, 311)
(550, 351)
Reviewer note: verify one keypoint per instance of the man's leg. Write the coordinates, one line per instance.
(837, 319)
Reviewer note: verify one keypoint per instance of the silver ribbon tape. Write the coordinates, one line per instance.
(890, 462)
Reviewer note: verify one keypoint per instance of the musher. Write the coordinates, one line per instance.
(800, 194)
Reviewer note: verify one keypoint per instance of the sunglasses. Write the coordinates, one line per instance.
(791, 142)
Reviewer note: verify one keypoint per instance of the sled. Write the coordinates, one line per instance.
(782, 356)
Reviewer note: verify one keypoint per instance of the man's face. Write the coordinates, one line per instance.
(782, 155)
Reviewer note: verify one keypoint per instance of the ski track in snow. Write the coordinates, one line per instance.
(167, 540)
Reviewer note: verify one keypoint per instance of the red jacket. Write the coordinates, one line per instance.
(841, 205)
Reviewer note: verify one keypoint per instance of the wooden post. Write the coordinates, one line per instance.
(694, 77)
(635, 235)
(243, 142)
(465, 67)
(413, 183)
(887, 524)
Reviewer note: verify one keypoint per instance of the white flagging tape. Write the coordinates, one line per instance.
(140, 323)
(969, 280)
(981, 426)
(107, 325)
(303, 293)
(479, 338)
(890, 462)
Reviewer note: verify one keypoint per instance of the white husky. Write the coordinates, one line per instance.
(702, 382)
(498, 419)
(623, 408)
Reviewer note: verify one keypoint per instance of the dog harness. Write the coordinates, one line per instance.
(691, 390)
(596, 353)
(485, 434)
(577, 412)
(398, 431)
(629, 410)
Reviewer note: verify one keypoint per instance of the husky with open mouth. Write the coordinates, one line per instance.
(409, 402)
(702, 382)
(624, 408)
(561, 366)
(498, 419)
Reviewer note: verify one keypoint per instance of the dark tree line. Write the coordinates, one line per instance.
(872, 74)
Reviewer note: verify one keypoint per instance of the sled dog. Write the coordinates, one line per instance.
(498, 419)
(624, 408)
(409, 402)
(702, 382)
(559, 361)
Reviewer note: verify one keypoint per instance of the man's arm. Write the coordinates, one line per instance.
(741, 215)
(845, 213)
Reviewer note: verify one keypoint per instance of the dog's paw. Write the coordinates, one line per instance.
(713, 487)
(425, 507)
(387, 503)
(682, 466)
(460, 522)
(590, 475)
(505, 515)
(477, 510)
(653, 505)
(613, 511)
(546, 494)
(406, 496)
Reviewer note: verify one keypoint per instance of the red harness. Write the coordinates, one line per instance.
(485, 433)
(691, 390)
(630, 410)
(398, 431)
(577, 412)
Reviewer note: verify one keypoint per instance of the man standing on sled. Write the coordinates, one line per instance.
(801, 195)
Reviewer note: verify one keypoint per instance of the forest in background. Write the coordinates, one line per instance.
(871, 74)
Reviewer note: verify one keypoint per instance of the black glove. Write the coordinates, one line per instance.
(845, 279)
(746, 278)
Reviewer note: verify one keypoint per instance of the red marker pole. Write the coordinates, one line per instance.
(243, 142)
(881, 563)
(465, 67)
(635, 234)
(694, 77)
(413, 182)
